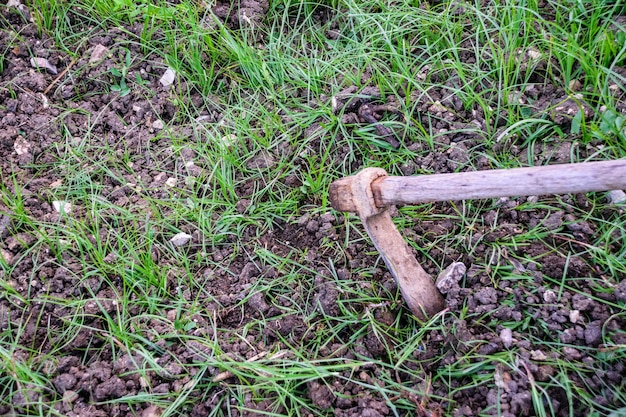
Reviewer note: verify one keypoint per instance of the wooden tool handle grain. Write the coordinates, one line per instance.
(540, 180)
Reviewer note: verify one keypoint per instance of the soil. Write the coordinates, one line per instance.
(87, 374)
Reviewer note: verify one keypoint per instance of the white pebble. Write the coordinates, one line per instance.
(506, 335)
(43, 63)
(617, 196)
(6, 256)
(168, 77)
(549, 297)
(538, 355)
(62, 207)
(229, 140)
(450, 277)
(180, 239)
(533, 54)
(21, 146)
(98, 54)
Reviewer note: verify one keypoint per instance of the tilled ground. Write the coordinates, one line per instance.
(46, 112)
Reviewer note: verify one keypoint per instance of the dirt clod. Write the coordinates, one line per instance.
(320, 394)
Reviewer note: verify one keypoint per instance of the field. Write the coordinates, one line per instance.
(167, 244)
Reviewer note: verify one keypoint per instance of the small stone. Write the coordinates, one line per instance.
(171, 182)
(21, 146)
(502, 201)
(616, 196)
(205, 118)
(62, 207)
(335, 104)
(533, 54)
(437, 107)
(158, 124)
(193, 169)
(180, 239)
(228, 140)
(538, 355)
(98, 54)
(574, 315)
(549, 297)
(36, 62)
(516, 97)
(575, 85)
(6, 256)
(506, 335)
(450, 277)
(501, 378)
(168, 77)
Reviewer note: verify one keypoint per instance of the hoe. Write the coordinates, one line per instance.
(371, 192)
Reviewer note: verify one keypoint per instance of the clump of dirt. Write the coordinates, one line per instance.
(244, 13)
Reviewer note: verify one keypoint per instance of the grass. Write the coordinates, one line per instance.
(185, 315)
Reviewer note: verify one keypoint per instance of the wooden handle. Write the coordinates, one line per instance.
(417, 287)
(550, 179)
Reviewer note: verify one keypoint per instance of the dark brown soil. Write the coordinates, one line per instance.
(41, 117)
